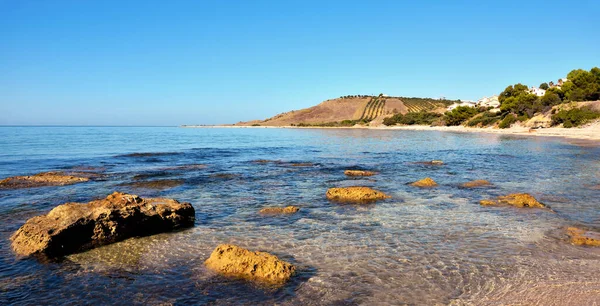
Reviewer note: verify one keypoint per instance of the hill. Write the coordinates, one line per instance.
(351, 110)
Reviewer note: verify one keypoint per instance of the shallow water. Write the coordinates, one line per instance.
(423, 246)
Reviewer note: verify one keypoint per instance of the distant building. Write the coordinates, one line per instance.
(465, 103)
(489, 102)
(537, 91)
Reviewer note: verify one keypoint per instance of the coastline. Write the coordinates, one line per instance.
(590, 132)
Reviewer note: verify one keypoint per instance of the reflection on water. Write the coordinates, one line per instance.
(423, 246)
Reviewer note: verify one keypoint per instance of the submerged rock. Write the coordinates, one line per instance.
(582, 237)
(235, 261)
(359, 173)
(475, 183)
(41, 180)
(157, 184)
(74, 227)
(515, 199)
(280, 210)
(426, 182)
(302, 164)
(432, 162)
(355, 194)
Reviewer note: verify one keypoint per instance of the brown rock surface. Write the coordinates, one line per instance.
(426, 182)
(359, 173)
(235, 261)
(280, 210)
(74, 227)
(41, 180)
(475, 183)
(355, 194)
(583, 237)
(516, 200)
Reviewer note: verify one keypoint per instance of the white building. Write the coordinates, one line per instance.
(465, 103)
(489, 102)
(537, 91)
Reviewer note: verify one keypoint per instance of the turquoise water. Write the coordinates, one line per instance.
(420, 247)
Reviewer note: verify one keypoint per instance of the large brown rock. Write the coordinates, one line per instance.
(359, 173)
(516, 200)
(235, 261)
(355, 194)
(74, 227)
(41, 180)
(475, 183)
(426, 182)
(279, 210)
(583, 237)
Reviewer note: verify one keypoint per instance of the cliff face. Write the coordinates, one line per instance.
(340, 109)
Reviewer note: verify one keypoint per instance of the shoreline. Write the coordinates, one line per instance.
(589, 133)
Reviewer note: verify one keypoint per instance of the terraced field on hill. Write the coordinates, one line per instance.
(374, 108)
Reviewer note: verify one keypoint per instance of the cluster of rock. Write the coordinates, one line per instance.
(516, 200)
(356, 194)
(280, 210)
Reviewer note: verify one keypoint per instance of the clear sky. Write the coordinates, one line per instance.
(205, 62)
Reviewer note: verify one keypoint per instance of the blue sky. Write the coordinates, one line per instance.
(207, 62)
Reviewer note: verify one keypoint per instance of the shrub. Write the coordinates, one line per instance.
(256, 124)
(574, 117)
(486, 119)
(459, 115)
(419, 118)
(507, 121)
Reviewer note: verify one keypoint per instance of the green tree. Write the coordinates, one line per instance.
(544, 86)
(512, 91)
(582, 85)
(550, 98)
(459, 115)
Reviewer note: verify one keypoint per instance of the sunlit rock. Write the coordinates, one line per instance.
(516, 200)
(41, 180)
(359, 173)
(583, 237)
(74, 227)
(426, 182)
(355, 194)
(280, 210)
(235, 261)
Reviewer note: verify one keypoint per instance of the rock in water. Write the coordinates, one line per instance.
(41, 180)
(235, 261)
(583, 237)
(74, 227)
(355, 194)
(515, 199)
(359, 173)
(475, 183)
(426, 182)
(280, 210)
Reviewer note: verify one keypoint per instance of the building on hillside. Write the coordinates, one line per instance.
(489, 102)
(464, 103)
(537, 91)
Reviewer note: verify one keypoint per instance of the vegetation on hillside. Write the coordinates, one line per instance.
(419, 118)
(574, 117)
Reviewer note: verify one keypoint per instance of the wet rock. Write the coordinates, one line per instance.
(185, 167)
(302, 164)
(426, 182)
(74, 227)
(582, 237)
(235, 261)
(516, 200)
(476, 183)
(41, 180)
(355, 194)
(359, 173)
(149, 154)
(157, 184)
(280, 210)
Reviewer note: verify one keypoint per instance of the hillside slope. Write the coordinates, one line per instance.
(356, 108)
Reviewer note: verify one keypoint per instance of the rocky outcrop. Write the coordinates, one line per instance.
(426, 182)
(41, 180)
(582, 237)
(359, 173)
(74, 227)
(516, 200)
(280, 210)
(355, 194)
(235, 261)
(475, 183)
